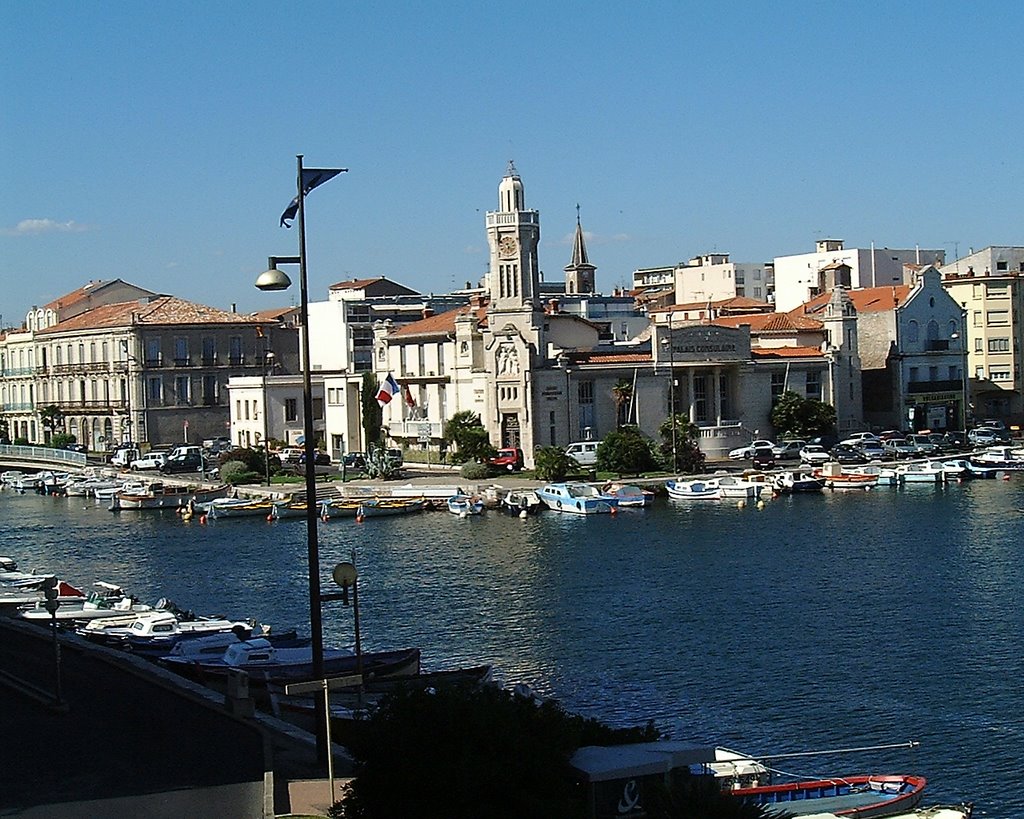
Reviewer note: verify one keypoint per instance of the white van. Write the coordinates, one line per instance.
(584, 452)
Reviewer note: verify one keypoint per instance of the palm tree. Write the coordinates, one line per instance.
(622, 394)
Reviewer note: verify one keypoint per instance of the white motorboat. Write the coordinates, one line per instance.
(698, 489)
(107, 600)
(732, 486)
(576, 499)
(628, 494)
(1003, 457)
(919, 473)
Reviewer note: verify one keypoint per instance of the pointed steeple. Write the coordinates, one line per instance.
(579, 273)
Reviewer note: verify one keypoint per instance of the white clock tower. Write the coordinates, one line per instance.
(513, 233)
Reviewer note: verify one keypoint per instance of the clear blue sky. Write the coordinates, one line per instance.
(156, 142)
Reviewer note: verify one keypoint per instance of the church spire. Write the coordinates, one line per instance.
(579, 273)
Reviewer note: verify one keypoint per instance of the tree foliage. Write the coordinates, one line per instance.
(622, 395)
(552, 464)
(372, 416)
(794, 416)
(458, 753)
(61, 440)
(625, 451)
(466, 432)
(51, 417)
(689, 458)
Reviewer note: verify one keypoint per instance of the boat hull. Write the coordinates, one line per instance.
(852, 796)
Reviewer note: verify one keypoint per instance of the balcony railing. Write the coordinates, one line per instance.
(109, 405)
(182, 362)
(415, 429)
(915, 387)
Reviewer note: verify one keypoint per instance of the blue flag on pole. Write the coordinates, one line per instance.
(311, 178)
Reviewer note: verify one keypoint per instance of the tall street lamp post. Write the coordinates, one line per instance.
(274, 279)
(667, 342)
(268, 366)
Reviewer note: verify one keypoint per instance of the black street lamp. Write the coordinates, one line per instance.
(274, 279)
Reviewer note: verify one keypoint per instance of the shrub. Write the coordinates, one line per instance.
(474, 471)
(625, 451)
(230, 470)
(552, 464)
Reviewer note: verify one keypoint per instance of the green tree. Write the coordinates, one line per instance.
(5, 432)
(458, 753)
(472, 443)
(371, 411)
(61, 440)
(794, 416)
(625, 451)
(550, 463)
(688, 455)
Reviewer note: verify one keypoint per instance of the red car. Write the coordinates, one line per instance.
(510, 459)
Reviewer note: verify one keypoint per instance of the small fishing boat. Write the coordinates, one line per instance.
(521, 502)
(919, 473)
(464, 505)
(108, 599)
(797, 482)
(849, 480)
(266, 662)
(162, 496)
(628, 494)
(386, 507)
(1003, 457)
(694, 489)
(884, 475)
(851, 796)
(576, 499)
(964, 811)
(224, 508)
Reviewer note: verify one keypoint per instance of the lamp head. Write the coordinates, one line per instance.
(273, 279)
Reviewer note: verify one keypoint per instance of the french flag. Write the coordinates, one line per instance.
(388, 390)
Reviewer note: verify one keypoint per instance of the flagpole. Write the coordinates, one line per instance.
(312, 543)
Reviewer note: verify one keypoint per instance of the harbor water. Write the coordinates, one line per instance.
(817, 622)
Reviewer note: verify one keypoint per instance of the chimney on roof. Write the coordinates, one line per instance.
(476, 300)
(234, 307)
(428, 312)
(468, 285)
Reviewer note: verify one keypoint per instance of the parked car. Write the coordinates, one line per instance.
(321, 463)
(76, 447)
(954, 442)
(510, 459)
(290, 455)
(763, 457)
(871, 449)
(923, 445)
(584, 452)
(983, 436)
(856, 438)
(899, 449)
(151, 460)
(183, 462)
(395, 457)
(847, 454)
(744, 452)
(814, 455)
(788, 450)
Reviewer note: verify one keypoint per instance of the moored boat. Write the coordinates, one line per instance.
(699, 489)
(521, 502)
(162, 496)
(797, 481)
(386, 507)
(1003, 457)
(850, 796)
(576, 499)
(628, 494)
(919, 473)
(266, 662)
(463, 505)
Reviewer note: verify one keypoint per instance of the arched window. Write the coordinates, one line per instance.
(912, 331)
(933, 330)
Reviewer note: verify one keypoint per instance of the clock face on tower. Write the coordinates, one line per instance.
(508, 246)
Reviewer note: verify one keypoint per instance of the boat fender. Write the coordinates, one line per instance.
(186, 515)
(760, 504)
(202, 519)
(270, 516)
(613, 510)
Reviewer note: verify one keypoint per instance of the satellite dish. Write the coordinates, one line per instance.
(345, 574)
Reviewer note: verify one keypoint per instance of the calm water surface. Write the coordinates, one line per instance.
(817, 622)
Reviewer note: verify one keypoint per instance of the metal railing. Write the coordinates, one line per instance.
(42, 454)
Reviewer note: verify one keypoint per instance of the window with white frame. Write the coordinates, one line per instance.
(999, 345)
(999, 373)
(998, 318)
